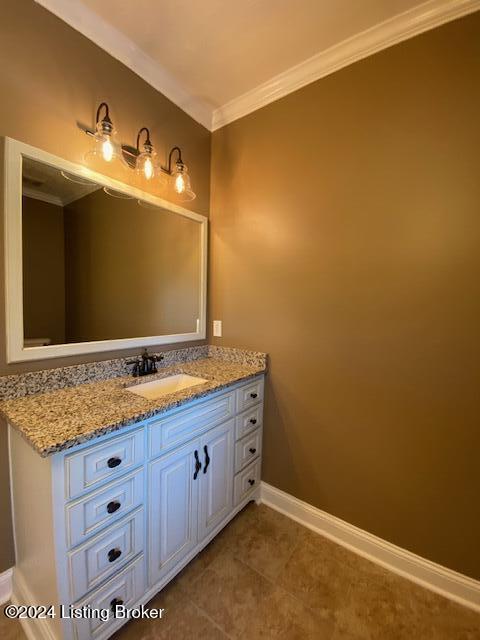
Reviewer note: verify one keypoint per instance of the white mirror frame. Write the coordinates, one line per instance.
(16, 352)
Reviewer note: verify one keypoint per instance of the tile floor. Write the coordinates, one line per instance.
(266, 577)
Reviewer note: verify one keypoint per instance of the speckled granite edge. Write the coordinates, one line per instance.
(35, 382)
(61, 419)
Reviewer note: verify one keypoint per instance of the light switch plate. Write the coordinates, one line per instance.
(217, 328)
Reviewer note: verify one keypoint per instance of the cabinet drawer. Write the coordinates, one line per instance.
(250, 395)
(176, 429)
(248, 421)
(102, 556)
(247, 481)
(126, 588)
(88, 515)
(106, 461)
(247, 449)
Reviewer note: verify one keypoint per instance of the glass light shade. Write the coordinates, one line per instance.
(105, 146)
(181, 183)
(146, 165)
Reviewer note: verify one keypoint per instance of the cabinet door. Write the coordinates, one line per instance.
(216, 486)
(173, 508)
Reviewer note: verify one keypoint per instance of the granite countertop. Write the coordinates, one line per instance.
(63, 418)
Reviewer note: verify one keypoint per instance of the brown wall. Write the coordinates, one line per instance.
(125, 280)
(43, 270)
(50, 78)
(345, 225)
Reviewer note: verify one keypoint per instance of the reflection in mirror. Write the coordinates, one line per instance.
(97, 267)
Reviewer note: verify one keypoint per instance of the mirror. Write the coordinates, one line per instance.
(103, 265)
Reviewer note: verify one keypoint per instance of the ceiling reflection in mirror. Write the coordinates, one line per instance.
(101, 265)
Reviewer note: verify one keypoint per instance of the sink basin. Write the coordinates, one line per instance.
(164, 386)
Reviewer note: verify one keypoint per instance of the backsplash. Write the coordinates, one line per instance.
(33, 382)
(238, 356)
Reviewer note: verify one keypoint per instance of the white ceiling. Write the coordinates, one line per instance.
(225, 58)
(219, 49)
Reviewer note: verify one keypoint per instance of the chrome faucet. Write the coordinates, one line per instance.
(145, 364)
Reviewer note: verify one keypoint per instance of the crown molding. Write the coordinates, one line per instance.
(422, 18)
(114, 42)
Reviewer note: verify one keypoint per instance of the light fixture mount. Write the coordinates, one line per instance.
(106, 123)
(147, 145)
(178, 162)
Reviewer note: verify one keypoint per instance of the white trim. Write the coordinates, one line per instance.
(448, 583)
(6, 586)
(118, 45)
(405, 25)
(34, 628)
(16, 352)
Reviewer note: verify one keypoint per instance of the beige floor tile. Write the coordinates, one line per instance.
(229, 592)
(447, 620)
(280, 616)
(384, 605)
(316, 575)
(171, 598)
(194, 570)
(187, 622)
(182, 622)
(266, 542)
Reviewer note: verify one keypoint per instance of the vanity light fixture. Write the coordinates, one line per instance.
(144, 161)
(104, 145)
(180, 177)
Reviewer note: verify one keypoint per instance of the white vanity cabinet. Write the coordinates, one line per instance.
(191, 494)
(173, 509)
(112, 521)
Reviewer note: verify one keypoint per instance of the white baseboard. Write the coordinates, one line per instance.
(34, 629)
(448, 583)
(6, 586)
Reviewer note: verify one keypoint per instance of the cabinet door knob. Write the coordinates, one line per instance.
(207, 459)
(198, 464)
(114, 462)
(251, 482)
(114, 554)
(253, 420)
(252, 450)
(113, 506)
(116, 602)
(254, 395)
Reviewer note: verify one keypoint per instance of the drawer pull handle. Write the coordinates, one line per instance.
(113, 506)
(113, 462)
(114, 554)
(251, 482)
(207, 459)
(253, 421)
(198, 465)
(254, 395)
(116, 602)
(252, 450)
